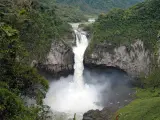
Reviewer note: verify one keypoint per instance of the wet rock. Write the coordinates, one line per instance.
(59, 60)
(105, 114)
(135, 59)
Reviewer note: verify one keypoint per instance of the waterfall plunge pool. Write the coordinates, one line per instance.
(87, 89)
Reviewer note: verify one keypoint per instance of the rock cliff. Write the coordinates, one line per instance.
(135, 59)
(60, 59)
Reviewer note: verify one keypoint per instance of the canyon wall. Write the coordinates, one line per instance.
(135, 59)
(60, 59)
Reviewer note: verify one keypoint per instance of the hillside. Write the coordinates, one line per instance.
(31, 29)
(27, 29)
(97, 6)
(65, 12)
(123, 27)
(70, 13)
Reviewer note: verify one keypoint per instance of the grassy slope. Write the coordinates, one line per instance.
(145, 107)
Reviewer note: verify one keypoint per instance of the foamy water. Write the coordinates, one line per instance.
(71, 95)
(79, 50)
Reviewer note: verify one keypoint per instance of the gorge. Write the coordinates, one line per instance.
(56, 65)
(87, 88)
(72, 95)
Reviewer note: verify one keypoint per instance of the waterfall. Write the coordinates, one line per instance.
(71, 94)
(79, 50)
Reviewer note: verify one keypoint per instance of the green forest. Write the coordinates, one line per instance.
(97, 6)
(28, 27)
(123, 27)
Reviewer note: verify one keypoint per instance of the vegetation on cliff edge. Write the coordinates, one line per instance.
(146, 105)
(122, 27)
(27, 29)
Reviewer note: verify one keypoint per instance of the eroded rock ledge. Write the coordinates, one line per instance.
(59, 60)
(135, 59)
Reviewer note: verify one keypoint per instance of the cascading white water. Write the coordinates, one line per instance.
(71, 95)
(79, 50)
(78, 94)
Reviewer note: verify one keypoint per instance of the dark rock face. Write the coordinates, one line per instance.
(105, 114)
(135, 60)
(55, 71)
(59, 61)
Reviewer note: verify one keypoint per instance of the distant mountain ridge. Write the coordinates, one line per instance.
(96, 6)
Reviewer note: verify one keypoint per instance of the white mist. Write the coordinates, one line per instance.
(71, 95)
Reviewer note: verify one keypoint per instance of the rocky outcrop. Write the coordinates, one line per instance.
(59, 60)
(134, 59)
(105, 114)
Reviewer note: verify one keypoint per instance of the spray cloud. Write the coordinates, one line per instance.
(85, 90)
(71, 95)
